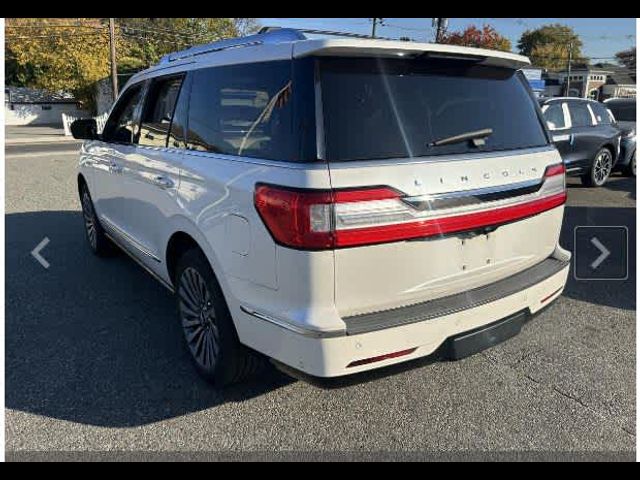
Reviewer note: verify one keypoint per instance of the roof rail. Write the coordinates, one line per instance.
(264, 35)
(276, 35)
(321, 32)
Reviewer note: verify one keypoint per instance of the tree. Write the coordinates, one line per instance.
(57, 54)
(148, 39)
(472, 36)
(549, 45)
(627, 58)
(71, 55)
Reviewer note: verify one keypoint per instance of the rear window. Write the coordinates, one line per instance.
(388, 108)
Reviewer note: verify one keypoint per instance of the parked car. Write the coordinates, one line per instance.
(586, 136)
(335, 205)
(624, 112)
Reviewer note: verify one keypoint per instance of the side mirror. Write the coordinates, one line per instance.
(85, 129)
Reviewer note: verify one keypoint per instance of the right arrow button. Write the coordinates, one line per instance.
(604, 253)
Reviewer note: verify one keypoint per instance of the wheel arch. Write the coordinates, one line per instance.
(82, 182)
(185, 235)
(178, 243)
(609, 146)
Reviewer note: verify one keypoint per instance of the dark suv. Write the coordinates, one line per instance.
(586, 136)
(624, 111)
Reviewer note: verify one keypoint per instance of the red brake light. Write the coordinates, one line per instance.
(553, 170)
(288, 214)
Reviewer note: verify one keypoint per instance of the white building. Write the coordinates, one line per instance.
(585, 82)
(597, 82)
(28, 106)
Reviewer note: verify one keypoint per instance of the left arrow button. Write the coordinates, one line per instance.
(35, 253)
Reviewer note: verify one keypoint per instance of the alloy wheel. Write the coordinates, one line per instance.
(602, 167)
(198, 318)
(89, 219)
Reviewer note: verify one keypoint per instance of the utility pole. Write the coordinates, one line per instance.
(114, 67)
(569, 69)
(440, 24)
(373, 28)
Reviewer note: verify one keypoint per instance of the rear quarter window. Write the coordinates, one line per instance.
(243, 110)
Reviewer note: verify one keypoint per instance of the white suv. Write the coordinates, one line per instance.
(333, 204)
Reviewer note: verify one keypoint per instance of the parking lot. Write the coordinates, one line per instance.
(95, 361)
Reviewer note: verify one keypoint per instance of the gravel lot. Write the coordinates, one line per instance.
(95, 362)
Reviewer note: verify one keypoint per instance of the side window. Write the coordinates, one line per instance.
(554, 116)
(177, 132)
(580, 115)
(601, 114)
(243, 110)
(158, 111)
(121, 123)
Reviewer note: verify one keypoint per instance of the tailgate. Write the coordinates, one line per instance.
(494, 246)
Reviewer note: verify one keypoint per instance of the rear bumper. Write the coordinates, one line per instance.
(460, 331)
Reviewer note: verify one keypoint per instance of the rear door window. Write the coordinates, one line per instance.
(243, 110)
(601, 114)
(158, 111)
(388, 108)
(580, 115)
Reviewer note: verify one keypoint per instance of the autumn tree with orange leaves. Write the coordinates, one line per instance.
(472, 36)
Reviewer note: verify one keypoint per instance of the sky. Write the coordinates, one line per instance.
(601, 37)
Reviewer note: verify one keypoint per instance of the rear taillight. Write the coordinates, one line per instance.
(553, 170)
(326, 219)
(296, 218)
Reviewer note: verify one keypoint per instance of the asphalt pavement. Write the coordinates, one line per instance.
(95, 360)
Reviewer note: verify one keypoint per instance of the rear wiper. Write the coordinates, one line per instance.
(477, 137)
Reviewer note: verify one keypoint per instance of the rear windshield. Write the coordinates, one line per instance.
(623, 112)
(388, 108)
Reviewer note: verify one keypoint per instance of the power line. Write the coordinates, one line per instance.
(54, 35)
(53, 26)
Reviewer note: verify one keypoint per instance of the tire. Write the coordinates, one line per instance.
(98, 242)
(600, 169)
(209, 333)
(630, 170)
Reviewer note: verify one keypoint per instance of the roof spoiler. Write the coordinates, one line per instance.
(399, 49)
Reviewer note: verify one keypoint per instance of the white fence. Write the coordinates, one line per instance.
(68, 119)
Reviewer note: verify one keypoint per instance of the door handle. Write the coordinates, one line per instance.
(115, 168)
(572, 138)
(163, 182)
